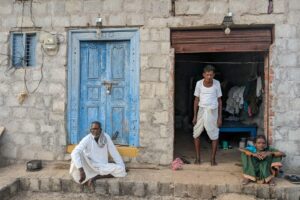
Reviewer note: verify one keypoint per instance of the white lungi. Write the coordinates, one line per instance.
(94, 159)
(207, 118)
(92, 170)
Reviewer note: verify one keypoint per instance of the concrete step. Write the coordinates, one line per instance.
(193, 182)
(9, 188)
(119, 187)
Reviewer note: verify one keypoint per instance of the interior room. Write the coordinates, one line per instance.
(242, 82)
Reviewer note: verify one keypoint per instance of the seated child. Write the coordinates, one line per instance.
(260, 162)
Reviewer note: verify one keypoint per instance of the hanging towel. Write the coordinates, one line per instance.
(258, 86)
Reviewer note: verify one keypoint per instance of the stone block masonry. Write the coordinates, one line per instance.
(42, 116)
(131, 189)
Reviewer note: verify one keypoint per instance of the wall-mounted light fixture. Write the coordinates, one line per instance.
(227, 22)
(98, 25)
(98, 21)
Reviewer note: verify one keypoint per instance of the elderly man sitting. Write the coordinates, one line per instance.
(90, 157)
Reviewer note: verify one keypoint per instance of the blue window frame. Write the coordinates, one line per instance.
(23, 49)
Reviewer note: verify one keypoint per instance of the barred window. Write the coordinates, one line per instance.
(23, 49)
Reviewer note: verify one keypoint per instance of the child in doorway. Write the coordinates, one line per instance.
(260, 162)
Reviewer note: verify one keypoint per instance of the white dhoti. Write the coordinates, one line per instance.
(207, 118)
(92, 170)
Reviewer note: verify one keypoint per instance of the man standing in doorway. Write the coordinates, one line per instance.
(207, 111)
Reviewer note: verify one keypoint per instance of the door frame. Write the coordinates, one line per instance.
(201, 47)
(73, 83)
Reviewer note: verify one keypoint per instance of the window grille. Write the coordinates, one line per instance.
(23, 49)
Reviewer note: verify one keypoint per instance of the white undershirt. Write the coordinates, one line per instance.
(208, 96)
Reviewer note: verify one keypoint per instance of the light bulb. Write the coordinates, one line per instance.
(227, 31)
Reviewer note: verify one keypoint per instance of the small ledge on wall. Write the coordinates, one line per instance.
(125, 151)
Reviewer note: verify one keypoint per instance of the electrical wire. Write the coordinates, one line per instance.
(31, 15)
(34, 25)
(9, 56)
(41, 78)
(60, 38)
(22, 18)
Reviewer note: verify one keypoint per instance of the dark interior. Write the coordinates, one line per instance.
(232, 69)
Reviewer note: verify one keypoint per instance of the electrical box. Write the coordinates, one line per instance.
(50, 43)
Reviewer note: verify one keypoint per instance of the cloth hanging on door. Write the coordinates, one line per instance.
(235, 99)
(258, 87)
(250, 97)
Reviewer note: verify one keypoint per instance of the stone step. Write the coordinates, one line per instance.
(193, 182)
(9, 188)
(119, 187)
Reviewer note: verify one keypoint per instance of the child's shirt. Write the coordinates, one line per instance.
(251, 148)
(208, 96)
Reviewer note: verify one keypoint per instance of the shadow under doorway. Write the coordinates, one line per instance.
(233, 70)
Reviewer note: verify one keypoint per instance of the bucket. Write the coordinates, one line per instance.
(225, 144)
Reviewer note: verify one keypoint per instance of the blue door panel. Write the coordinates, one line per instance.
(118, 60)
(91, 59)
(103, 85)
(105, 62)
(118, 100)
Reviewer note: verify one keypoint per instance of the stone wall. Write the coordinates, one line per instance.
(285, 87)
(36, 129)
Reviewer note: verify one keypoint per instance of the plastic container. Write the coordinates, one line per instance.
(242, 143)
(225, 145)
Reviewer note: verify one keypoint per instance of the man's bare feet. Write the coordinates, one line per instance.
(245, 181)
(197, 161)
(272, 182)
(213, 163)
(90, 184)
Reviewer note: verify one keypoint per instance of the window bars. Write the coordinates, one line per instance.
(23, 49)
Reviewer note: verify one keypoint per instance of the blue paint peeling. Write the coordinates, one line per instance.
(92, 61)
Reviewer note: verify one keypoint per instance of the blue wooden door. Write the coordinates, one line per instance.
(118, 95)
(92, 68)
(105, 88)
(103, 83)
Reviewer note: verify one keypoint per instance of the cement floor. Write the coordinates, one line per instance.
(228, 174)
(184, 147)
(225, 173)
